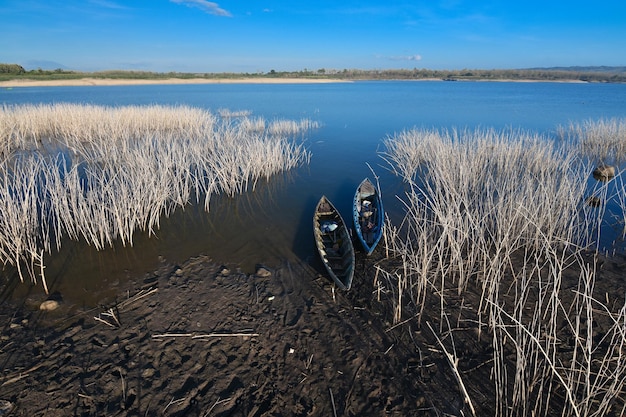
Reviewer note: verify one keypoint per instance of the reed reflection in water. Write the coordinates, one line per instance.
(237, 231)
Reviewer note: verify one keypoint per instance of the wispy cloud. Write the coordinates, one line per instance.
(406, 58)
(108, 4)
(206, 6)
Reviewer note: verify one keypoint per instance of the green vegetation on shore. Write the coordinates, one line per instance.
(587, 74)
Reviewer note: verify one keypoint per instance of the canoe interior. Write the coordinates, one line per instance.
(368, 215)
(334, 243)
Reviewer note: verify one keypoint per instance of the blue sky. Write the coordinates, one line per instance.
(292, 35)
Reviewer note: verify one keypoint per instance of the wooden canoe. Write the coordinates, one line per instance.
(334, 243)
(368, 214)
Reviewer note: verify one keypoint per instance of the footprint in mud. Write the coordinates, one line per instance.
(291, 318)
(234, 385)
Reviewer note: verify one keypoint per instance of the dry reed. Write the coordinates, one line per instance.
(99, 174)
(602, 140)
(603, 143)
(502, 214)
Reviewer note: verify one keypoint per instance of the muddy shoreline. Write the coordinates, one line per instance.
(202, 339)
(206, 339)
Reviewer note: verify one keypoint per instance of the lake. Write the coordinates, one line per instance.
(273, 222)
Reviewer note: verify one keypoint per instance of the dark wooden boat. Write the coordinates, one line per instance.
(368, 214)
(334, 243)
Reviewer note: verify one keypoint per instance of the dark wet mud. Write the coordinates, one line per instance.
(205, 339)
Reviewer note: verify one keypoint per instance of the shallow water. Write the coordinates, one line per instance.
(273, 222)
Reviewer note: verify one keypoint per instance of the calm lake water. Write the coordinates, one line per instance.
(273, 223)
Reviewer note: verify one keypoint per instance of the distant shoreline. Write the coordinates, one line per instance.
(115, 81)
(255, 80)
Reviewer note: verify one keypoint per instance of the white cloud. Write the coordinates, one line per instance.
(206, 6)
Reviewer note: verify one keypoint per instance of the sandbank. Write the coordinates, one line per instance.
(111, 81)
(254, 80)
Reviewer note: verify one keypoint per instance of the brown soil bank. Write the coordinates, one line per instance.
(199, 340)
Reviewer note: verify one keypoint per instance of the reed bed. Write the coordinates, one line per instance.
(99, 174)
(603, 143)
(601, 140)
(498, 235)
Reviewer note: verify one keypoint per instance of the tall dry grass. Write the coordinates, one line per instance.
(99, 174)
(603, 143)
(601, 140)
(497, 233)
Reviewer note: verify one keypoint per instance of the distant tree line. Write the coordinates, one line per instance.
(617, 75)
(588, 74)
(477, 74)
(11, 69)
